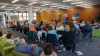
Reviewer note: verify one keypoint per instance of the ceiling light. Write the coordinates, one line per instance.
(86, 5)
(53, 6)
(60, 7)
(67, 0)
(3, 6)
(83, 4)
(15, 1)
(42, 5)
(17, 7)
(46, 4)
(11, 9)
(77, 3)
(32, 3)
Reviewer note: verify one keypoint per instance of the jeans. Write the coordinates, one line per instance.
(13, 27)
(37, 50)
(89, 34)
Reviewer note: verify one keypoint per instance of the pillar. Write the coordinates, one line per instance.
(9, 17)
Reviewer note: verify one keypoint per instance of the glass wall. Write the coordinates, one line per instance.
(21, 17)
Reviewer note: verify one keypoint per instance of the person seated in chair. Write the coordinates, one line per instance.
(68, 39)
(32, 28)
(32, 50)
(19, 26)
(48, 50)
(4, 34)
(51, 31)
(10, 38)
(44, 30)
(26, 27)
(1, 31)
(59, 27)
(12, 25)
(36, 26)
(89, 28)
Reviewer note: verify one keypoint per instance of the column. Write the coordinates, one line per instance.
(4, 23)
(30, 14)
(9, 17)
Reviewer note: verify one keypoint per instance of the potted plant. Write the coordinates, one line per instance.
(96, 17)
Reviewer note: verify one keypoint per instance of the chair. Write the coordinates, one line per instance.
(5, 47)
(59, 32)
(31, 35)
(87, 33)
(51, 38)
(15, 53)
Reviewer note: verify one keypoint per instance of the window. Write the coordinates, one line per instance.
(20, 17)
(34, 16)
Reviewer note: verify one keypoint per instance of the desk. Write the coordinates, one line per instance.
(96, 32)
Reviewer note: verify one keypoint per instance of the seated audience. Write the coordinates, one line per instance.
(0, 31)
(72, 27)
(19, 26)
(44, 30)
(82, 24)
(52, 24)
(91, 22)
(10, 38)
(76, 25)
(12, 25)
(41, 24)
(4, 34)
(95, 22)
(36, 26)
(68, 39)
(32, 28)
(87, 27)
(48, 50)
(26, 27)
(32, 50)
(59, 27)
(51, 31)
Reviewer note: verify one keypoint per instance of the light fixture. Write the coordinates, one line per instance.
(32, 3)
(77, 3)
(15, 1)
(3, 6)
(83, 4)
(67, 0)
(44, 4)
(53, 6)
(11, 9)
(86, 6)
(15, 11)
(17, 7)
(60, 7)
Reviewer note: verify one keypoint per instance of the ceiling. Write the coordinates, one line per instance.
(23, 4)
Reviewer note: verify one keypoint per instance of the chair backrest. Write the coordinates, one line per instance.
(31, 35)
(15, 53)
(87, 31)
(59, 32)
(5, 43)
(51, 38)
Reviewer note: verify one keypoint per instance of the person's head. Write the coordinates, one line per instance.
(1, 30)
(17, 22)
(83, 22)
(67, 28)
(48, 49)
(50, 28)
(18, 41)
(72, 26)
(9, 35)
(75, 22)
(25, 21)
(44, 28)
(58, 24)
(73, 16)
(4, 32)
(37, 22)
(31, 25)
(87, 22)
(52, 23)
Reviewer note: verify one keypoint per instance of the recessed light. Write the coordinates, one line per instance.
(42, 5)
(67, 0)
(83, 4)
(15, 1)
(32, 3)
(46, 4)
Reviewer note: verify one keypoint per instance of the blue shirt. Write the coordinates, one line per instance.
(53, 32)
(77, 26)
(24, 49)
(44, 32)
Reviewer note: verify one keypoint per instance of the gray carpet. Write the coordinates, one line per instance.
(86, 47)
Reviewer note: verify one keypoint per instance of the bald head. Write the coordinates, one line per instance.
(31, 25)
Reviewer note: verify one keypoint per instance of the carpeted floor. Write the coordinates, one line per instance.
(86, 47)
